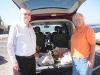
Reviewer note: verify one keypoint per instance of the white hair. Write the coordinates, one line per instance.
(77, 14)
(22, 9)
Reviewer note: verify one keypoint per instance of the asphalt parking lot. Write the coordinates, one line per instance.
(5, 64)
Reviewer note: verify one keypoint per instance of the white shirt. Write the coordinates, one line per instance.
(21, 41)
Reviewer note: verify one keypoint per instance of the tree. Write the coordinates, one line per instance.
(2, 27)
(1, 21)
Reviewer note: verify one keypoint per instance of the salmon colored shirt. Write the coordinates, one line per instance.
(80, 41)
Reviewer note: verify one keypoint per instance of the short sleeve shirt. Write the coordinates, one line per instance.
(81, 40)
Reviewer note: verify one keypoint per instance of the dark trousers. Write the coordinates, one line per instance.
(27, 66)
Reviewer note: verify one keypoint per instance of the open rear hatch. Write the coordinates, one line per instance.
(43, 9)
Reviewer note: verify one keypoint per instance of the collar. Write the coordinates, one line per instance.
(80, 27)
(24, 25)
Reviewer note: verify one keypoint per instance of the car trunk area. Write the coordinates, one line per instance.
(48, 39)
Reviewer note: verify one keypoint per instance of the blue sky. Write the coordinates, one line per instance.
(90, 9)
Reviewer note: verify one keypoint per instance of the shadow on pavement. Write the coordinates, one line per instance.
(2, 60)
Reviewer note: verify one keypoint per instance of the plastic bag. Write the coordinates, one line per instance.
(45, 60)
(66, 59)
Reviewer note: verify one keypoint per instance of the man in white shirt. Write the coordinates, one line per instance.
(22, 44)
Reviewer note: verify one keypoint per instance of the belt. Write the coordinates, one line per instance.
(25, 56)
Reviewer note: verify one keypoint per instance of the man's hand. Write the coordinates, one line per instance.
(15, 66)
(90, 63)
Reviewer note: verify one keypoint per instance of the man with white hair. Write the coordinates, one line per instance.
(82, 47)
(22, 44)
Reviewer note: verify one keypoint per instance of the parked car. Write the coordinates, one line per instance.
(93, 25)
(97, 33)
(52, 22)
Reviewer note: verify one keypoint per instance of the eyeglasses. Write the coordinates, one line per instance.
(27, 14)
